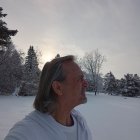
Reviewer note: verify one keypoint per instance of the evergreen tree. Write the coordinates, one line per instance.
(110, 85)
(31, 66)
(131, 85)
(10, 59)
(5, 38)
(5, 33)
(11, 71)
(31, 74)
(120, 85)
(137, 83)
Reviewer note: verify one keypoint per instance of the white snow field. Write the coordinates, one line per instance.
(109, 117)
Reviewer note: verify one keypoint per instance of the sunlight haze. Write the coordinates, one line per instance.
(79, 26)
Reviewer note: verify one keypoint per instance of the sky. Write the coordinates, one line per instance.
(78, 27)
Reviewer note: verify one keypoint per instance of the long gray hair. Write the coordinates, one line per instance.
(45, 100)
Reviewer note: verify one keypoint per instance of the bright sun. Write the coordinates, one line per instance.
(47, 57)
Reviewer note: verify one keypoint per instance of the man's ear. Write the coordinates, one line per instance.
(56, 85)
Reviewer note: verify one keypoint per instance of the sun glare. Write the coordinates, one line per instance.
(45, 58)
(48, 57)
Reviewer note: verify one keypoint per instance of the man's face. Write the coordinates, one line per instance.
(74, 86)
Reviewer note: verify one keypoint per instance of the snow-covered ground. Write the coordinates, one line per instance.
(109, 117)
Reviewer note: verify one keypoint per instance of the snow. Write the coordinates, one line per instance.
(109, 117)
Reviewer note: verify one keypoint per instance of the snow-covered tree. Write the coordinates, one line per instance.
(91, 84)
(10, 58)
(110, 85)
(11, 70)
(137, 83)
(92, 63)
(120, 85)
(31, 73)
(31, 66)
(131, 86)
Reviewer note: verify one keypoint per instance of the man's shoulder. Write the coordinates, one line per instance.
(29, 128)
(18, 131)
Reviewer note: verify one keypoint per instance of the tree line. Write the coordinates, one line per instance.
(127, 86)
(19, 75)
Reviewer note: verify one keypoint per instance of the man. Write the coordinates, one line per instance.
(61, 88)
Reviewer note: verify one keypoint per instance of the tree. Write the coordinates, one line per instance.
(110, 85)
(31, 66)
(11, 70)
(92, 62)
(31, 73)
(119, 86)
(5, 38)
(5, 33)
(137, 83)
(57, 56)
(131, 85)
(10, 58)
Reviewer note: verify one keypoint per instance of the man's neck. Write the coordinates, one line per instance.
(63, 117)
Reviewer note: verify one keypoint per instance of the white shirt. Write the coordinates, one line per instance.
(70, 131)
(42, 126)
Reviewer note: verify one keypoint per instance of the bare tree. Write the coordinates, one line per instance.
(92, 62)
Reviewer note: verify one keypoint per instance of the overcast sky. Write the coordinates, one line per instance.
(79, 26)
